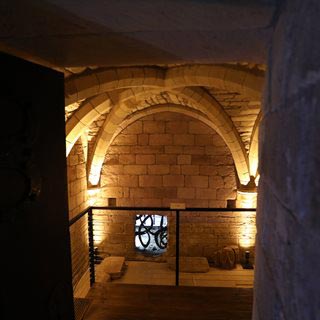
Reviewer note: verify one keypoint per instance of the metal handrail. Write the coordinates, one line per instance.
(89, 211)
(78, 216)
(169, 209)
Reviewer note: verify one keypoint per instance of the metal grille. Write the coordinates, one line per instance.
(151, 233)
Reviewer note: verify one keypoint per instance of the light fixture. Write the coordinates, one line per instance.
(246, 263)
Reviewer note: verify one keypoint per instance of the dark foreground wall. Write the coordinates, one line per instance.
(288, 258)
(35, 263)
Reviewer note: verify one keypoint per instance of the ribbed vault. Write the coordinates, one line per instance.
(102, 102)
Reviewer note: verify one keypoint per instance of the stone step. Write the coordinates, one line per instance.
(112, 266)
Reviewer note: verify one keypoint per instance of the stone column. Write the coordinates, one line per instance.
(287, 278)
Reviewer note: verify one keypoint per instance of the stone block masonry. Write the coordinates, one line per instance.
(201, 233)
(78, 201)
(181, 161)
(77, 180)
(174, 165)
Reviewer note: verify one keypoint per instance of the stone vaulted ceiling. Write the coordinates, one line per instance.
(101, 101)
(122, 58)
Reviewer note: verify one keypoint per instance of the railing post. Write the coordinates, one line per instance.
(177, 246)
(91, 247)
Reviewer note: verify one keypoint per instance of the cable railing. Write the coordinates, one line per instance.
(177, 213)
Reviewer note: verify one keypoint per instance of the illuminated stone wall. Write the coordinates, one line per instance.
(165, 158)
(77, 180)
(78, 201)
(201, 233)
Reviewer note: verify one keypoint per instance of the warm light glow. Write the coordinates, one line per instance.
(85, 146)
(97, 239)
(257, 179)
(93, 196)
(253, 165)
(69, 146)
(246, 199)
(100, 228)
(94, 176)
(247, 230)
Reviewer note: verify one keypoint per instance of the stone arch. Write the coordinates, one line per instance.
(254, 148)
(224, 77)
(205, 103)
(95, 82)
(168, 107)
(91, 109)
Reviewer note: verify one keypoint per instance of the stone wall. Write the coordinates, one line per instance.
(168, 157)
(77, 180)
(288, 239)
(165, 158)
(78, 201)
(201, 233)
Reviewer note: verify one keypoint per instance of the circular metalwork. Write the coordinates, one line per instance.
(152, 237)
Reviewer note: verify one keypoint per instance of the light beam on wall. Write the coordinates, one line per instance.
(247, 230)
(93, 195)
(247, 198)
(94, 176)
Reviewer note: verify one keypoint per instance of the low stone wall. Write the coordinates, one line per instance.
(201, 233)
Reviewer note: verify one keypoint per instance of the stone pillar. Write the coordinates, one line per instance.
(288, 220)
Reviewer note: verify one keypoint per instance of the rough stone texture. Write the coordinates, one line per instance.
(201, 233)
(163, 174)
(173, 166)
(288, 258)
(238, 96)
(242, 110)
(78, 201)
(77, 180)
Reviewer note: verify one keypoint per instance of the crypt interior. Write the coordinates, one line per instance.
(160, 159)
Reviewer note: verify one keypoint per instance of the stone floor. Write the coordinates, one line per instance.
(146, 291)
(155, 273)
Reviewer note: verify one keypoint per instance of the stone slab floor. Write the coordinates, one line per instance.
(154, 273)
(147, 291)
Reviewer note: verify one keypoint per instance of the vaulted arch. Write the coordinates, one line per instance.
(254, 148)
(225, 77)
(200, 100)
(92, 108)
